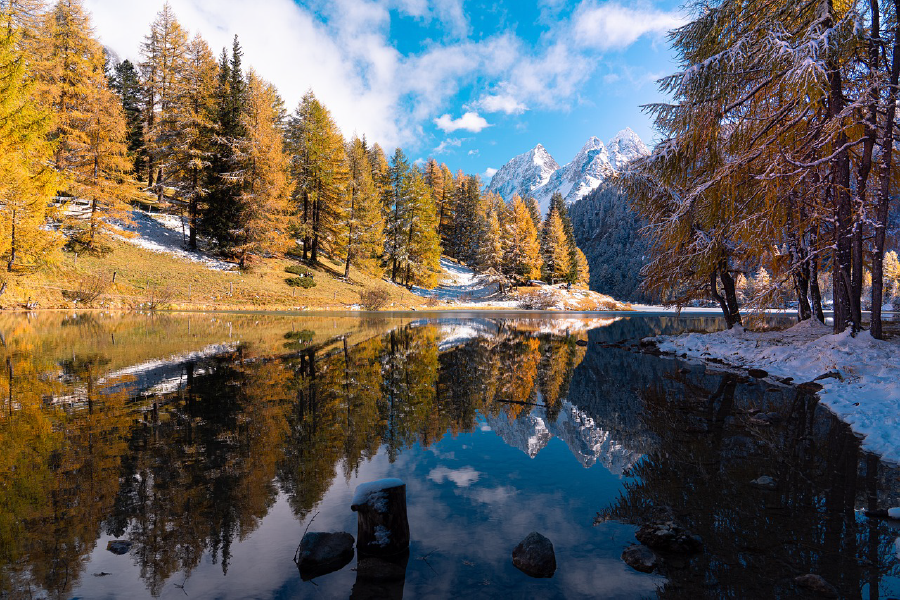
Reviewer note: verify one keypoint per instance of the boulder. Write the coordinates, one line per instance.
(668, 536)
(764, 483)
(640, 558)
(534, 556)
(321, 553)
(810, 387)
(119, 546)
(817, 585)
(757, 373)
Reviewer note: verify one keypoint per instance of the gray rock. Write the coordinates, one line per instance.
(817, 585)
(534, 556)
(668, 536)
(119, 546)
(640, 558)
(321, 553)
(764, 483)
(757, 373)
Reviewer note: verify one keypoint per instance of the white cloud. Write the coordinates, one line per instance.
(447, 144)
(489, 173)
(502, 103)
(463, 477)
(473, 152)
(610, 25)
(470, 121)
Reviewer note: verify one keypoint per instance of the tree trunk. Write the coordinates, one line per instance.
(729, 323)
(192, 209)
(730, 294)
(12, 247)
(382, 525)
(884, 198)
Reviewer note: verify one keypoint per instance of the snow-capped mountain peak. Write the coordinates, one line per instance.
(625, 147)
(524, 173)
(535, 173)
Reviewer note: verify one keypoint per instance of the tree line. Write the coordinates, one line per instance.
(776, 152)
(214, 138)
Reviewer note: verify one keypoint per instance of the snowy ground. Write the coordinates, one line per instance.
(860, 376)
(461, 286)
(163, 233)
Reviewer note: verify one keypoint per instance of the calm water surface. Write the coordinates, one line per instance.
(212, 442)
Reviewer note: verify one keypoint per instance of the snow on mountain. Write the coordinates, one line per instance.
(626, 147)
(524, 173)
(533, 174)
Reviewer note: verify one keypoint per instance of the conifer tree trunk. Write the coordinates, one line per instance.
(815, 295)
(883, 202)
(844, 312)
(12, 245)
(192, 209)
(730, 294)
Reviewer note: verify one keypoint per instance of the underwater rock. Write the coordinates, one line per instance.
(534, 556)
(640, 558)
(119, 546)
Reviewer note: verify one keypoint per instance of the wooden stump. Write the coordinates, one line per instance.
(383, 529)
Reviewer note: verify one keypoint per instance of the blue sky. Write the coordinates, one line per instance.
(471, 83)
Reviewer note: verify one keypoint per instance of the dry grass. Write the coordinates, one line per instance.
(140, 274)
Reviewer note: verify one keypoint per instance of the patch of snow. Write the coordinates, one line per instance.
(162, 233)
(382, 535)
(865, 388)
(373, 493)
(894, 513)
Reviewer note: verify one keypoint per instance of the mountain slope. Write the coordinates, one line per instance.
(524, 173)
(535, 173)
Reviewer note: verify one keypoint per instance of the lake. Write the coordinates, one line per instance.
(211, 442)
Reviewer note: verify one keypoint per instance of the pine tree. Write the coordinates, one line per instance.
(194, 145)
(423, 253)
(89, 121)
(164, 53)
(396, 203)
(126, 83)
(491, 244)
(555, 249)
(264, 201)
(446, 207)
(319, 168)
(558, 204)
(221, 214)
(521, 249)
(363, 229)
(582, 268)
(26, 180)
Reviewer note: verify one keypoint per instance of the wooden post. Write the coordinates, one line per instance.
(382, 526)
(114, 277)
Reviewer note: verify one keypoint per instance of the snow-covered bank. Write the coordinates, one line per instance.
(861, 382)
(164, 234)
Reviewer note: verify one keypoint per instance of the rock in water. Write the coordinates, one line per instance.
(640, 558)
(534, 556)
(817, 585)
(764, 483)
(669, 537)
(119, 546)
(321, 553)
(382, 526)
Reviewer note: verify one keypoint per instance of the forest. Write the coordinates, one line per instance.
(212, 139)
(777, 157)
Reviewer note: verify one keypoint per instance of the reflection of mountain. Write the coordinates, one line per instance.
(588, 443)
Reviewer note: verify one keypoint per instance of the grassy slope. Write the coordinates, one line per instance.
(195, 286)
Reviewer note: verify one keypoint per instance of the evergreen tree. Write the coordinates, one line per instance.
(558, 204)
(221, 216)
(363, 228)
(446, 207)
(521, 249)
(89, 121)
(164, 54)
(396, 204)
(126, 83)
(264, 200)
(319, 168)
(194, 145)
(582, 268)
(555, 249)
(26, 180)
(423, 262)
(491, 250)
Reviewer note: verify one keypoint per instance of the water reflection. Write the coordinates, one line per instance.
(211, 442)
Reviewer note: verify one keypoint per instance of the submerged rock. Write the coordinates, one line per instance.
(119, 546)
(817, 585)
(640, 558)
(764, 483)
(321, 553)
(534, 556)
(668, 536)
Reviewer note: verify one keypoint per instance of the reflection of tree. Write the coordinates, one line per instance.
(193, 468)
(756, 540)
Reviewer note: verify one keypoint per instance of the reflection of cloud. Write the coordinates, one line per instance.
(484, 427)
(463, 477)
(497, 495)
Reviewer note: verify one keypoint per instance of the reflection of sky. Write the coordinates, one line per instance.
(471, 499)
